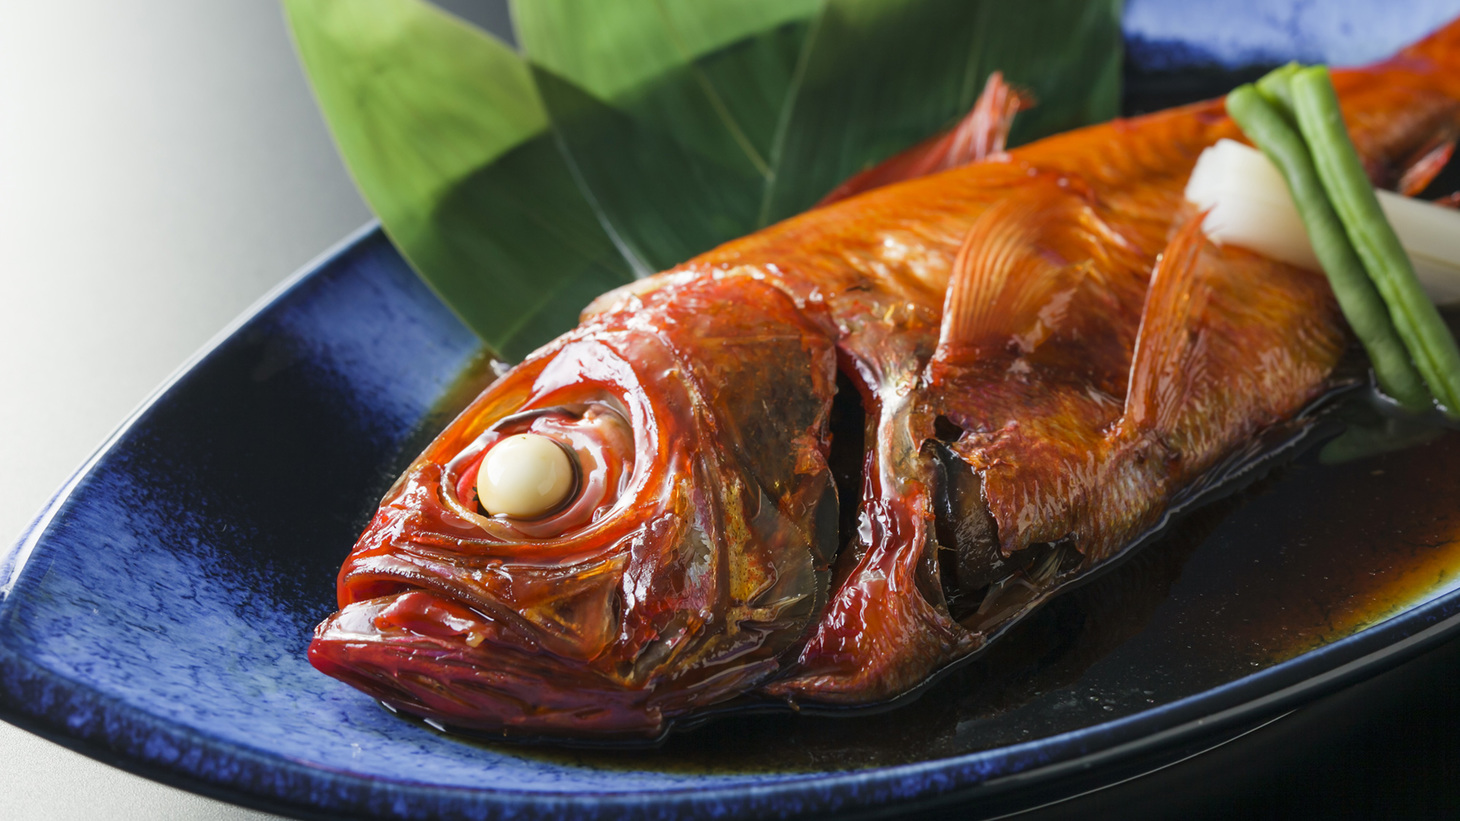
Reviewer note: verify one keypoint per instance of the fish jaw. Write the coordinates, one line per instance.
(693, 558)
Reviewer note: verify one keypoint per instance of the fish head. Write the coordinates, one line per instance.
(686, 563)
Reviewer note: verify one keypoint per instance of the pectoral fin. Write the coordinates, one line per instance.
(1230, 344)
(1168, 360)
(1015, 261)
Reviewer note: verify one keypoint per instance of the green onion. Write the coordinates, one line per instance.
(1360, 302)
(1275, 88)
(1247, 203)
(1414, 316)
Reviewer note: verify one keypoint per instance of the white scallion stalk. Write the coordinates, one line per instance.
(1249, 206)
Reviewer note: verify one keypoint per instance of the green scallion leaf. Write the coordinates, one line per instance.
(1415, 318)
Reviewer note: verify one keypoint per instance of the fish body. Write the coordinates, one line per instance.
(1049, 357)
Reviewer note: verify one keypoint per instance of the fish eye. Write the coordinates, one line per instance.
(526, 476)
(546, 472)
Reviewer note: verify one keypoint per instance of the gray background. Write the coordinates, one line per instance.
(162, 166)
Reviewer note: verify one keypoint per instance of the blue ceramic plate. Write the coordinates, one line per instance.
(156, 613)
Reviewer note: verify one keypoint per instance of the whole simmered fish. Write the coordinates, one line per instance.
(824, 462)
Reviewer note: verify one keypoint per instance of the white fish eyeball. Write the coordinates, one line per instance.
(525, 476)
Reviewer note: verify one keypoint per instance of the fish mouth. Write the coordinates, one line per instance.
(423, 653)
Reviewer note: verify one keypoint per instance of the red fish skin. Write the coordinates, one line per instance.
(698, 565)
(618, 613)
(1043, 425)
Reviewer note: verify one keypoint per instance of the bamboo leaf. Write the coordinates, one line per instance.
(668, 109)
(878, 76)
(728, 135)
(650, 130)
(661, 203)
(442, 129)
(712, 74)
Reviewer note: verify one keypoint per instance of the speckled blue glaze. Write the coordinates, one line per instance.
(1166, 35)
(156, 614)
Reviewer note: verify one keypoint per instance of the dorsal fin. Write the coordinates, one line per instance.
(985, 130)
(981, 133)
(1014, 258)
(1167, 361)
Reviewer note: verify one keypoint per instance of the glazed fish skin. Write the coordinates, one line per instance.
(1050, 356)
(621, 611)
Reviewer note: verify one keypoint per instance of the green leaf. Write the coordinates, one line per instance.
(879, 76)
(660, 202)
(648, 131)
(617, 47)
(442, 129)
(668, 109)
(744, 132)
